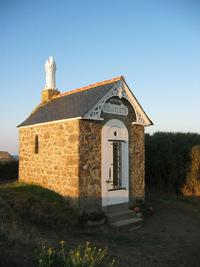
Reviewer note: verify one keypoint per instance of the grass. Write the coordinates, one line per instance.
(31, 216)
(35, 205)
(28, 214)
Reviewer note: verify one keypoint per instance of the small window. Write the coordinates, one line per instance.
(36, 144)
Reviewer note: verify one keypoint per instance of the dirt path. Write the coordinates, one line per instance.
(171, 237)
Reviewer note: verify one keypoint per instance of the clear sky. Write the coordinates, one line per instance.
(154, 44)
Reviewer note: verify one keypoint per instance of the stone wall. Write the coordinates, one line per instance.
(136, 162)
(90, 164)
(55, 166)
(69, 159)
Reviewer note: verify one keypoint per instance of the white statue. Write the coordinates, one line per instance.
(50, 69)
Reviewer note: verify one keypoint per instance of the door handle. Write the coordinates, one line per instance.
(108, 181)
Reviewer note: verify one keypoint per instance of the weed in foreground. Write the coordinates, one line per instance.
(81, 256)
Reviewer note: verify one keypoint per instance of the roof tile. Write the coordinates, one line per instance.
(71, 104)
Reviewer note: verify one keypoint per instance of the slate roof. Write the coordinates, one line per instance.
(71, 104)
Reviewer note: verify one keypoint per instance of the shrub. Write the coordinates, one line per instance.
(9, 170)
(167, 156)
(192, 185)
(81, 256)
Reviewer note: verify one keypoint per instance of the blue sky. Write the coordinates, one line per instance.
(154, 44)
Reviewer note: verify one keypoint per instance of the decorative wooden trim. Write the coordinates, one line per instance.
(122, 91)
(142, 118)
(95, 112)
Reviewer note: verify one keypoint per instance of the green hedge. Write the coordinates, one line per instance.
(168, 159)
(9, 170)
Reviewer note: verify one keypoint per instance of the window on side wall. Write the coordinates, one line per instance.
(36, 144)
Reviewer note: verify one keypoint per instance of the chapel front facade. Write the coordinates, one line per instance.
(87, 145)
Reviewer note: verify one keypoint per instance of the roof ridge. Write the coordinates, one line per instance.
(90, 86)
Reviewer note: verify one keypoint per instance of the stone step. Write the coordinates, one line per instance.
(127, 222)
(116, 208)
(120, 215)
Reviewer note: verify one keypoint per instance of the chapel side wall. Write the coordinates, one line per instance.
(90, 165)
(55, 166)
(136, 162)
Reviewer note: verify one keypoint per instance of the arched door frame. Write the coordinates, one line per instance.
(108, 134)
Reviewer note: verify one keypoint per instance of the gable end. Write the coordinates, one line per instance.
(120, 90)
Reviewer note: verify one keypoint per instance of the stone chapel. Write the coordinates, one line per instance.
(86, 144)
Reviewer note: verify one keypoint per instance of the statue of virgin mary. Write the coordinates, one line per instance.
(50, 69)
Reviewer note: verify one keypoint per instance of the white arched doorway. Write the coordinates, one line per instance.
(115, 163)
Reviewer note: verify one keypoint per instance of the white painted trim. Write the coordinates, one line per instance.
(142, 118)
(122, 91)
(95, 112)
(51, 122)
(119, 196)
